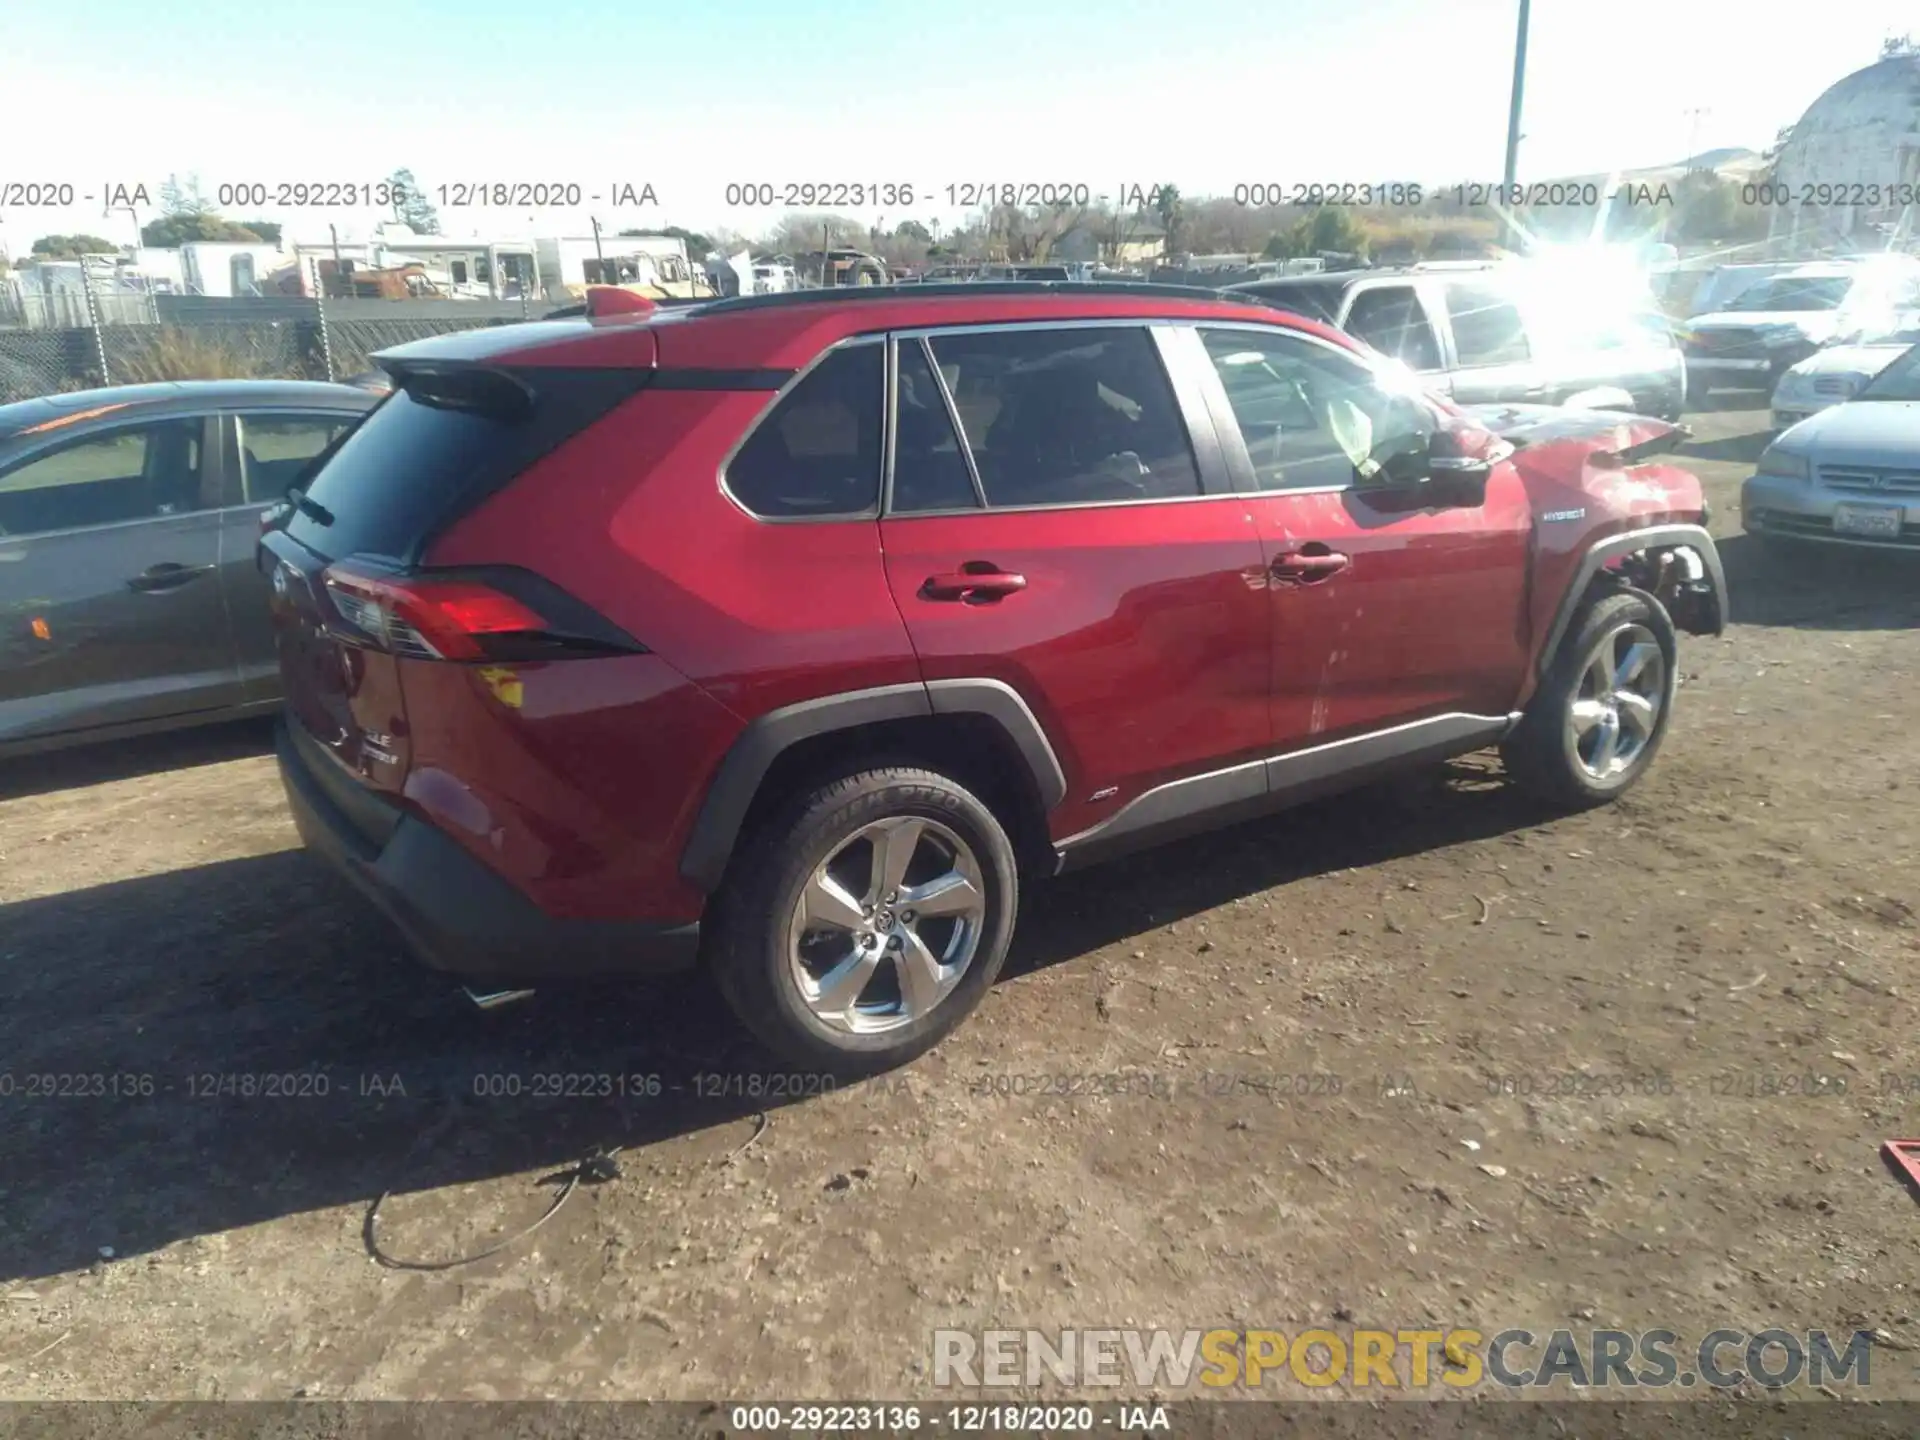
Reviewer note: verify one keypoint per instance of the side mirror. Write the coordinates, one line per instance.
(1447, 469)
(1458, 482)
(1459, 460)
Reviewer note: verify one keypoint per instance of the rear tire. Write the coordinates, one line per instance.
(1597, 720)
(866, 919)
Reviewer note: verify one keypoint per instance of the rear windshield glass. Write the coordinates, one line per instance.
(440, 445)
(390, 481)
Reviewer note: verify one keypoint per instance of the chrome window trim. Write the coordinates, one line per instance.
(905, 515)
(959, 427)
(890, 395)
(870, 512)
(894, 341)
(1092, 322)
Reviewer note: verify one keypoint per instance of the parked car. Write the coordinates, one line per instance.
(1491, 333)
(128, 518)
(1834, 374)
(1779, 321)
(1720, 286)
(1849, 475)
(794, 634)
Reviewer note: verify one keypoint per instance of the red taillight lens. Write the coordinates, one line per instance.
(429, 618)
(494, 613)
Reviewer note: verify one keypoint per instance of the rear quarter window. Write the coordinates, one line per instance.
(817, 453)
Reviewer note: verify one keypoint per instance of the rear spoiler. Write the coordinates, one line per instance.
(454, 385)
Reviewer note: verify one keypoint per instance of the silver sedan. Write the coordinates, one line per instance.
(1849, 475)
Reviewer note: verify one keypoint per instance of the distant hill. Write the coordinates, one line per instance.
(1720, 159)
(1730, 163)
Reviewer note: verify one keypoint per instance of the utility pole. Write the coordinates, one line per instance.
(1693, 135)
(1513, 109)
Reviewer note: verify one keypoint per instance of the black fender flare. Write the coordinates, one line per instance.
(717, 827)
(1614, 547)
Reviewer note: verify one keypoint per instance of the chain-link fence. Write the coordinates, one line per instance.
(43, 362)
(85, 338)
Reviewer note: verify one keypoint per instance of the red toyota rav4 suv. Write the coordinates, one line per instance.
(791, 633)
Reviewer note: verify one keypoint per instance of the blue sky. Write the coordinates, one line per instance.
(1208, 93)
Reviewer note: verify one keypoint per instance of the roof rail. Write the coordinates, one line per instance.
(873, 294)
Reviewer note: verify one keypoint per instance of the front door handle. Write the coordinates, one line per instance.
(167, 576)
(975, 583)
(1309, 565)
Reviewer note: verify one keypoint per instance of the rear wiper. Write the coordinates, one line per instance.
(312, 509)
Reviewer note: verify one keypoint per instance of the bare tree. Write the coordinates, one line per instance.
(797, 233)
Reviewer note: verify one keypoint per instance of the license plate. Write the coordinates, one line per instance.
(1882, 522)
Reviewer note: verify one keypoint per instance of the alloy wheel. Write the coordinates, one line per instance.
(1616, 708)
(886, 925)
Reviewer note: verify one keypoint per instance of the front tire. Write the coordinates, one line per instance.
(866, 920)
(1597, 720)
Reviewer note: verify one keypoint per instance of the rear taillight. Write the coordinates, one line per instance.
(469, 615)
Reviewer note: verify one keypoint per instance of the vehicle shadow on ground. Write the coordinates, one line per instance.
(133, 1003)
(100, 764)
(1820, 587)
(1721, 401)
(1734, 449)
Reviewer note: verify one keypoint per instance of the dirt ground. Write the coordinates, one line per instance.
(1455, 966)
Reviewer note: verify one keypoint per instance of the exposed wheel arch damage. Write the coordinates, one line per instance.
(1678, 565)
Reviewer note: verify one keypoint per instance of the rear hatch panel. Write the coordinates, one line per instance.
(469, 414)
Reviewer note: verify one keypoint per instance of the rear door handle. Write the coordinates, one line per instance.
(978, 582)
(168, 576)
(1310, 566)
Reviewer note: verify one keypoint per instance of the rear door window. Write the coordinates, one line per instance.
(138, 472)
(817, 453)
(1487, 328)
(1081, 415)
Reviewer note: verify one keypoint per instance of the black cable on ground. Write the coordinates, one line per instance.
(596, 1169)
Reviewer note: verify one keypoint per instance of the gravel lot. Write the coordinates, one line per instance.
(1433, 956)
